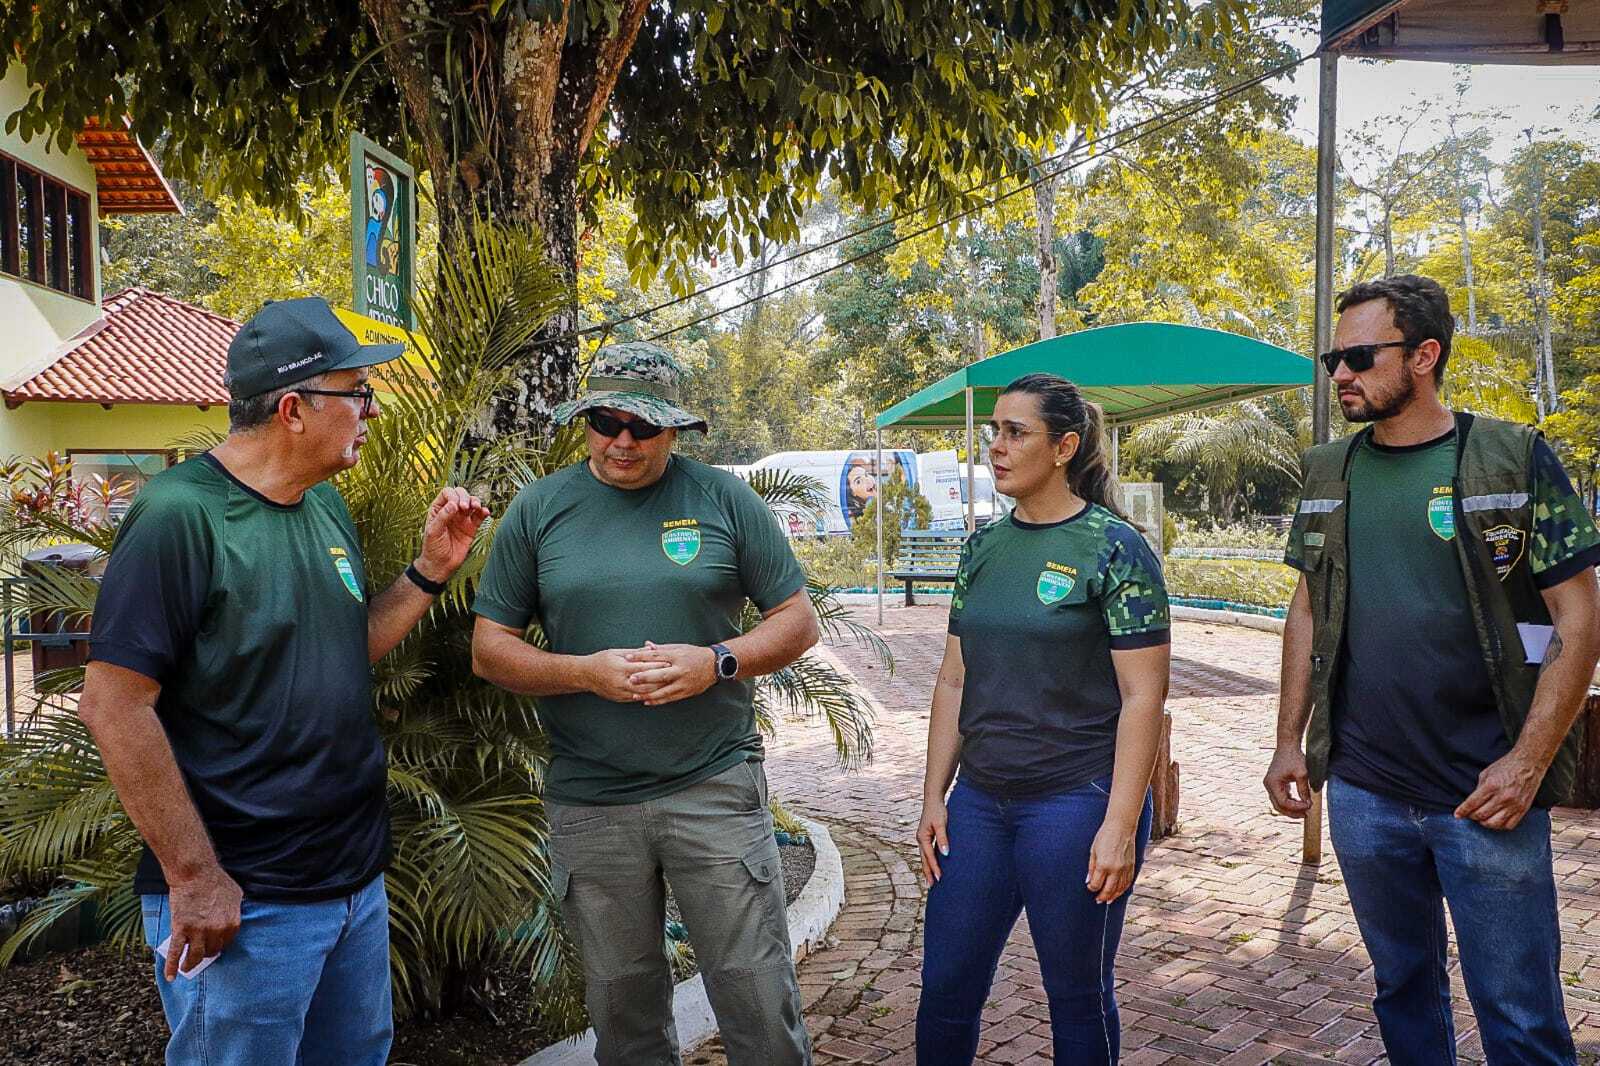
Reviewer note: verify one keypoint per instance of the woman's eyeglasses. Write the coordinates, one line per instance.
(1357, 357)
(609, 426)
(1011, 433)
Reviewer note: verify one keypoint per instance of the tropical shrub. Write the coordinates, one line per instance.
(1246, 581)
(469, 883)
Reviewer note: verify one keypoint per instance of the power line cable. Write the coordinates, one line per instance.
(1120, 138)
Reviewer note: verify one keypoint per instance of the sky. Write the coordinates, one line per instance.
(1563, 98)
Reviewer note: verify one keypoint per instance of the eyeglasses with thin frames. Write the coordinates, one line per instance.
(1011, 433)
(366, 394)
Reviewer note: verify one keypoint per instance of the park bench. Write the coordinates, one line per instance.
(927, 555)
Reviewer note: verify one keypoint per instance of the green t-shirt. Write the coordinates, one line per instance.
(252, 615)
(600, 567)
(1038, 610)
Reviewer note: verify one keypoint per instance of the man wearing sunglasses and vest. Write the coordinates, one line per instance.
(1440, 641)
(636, 564)
(230, 693)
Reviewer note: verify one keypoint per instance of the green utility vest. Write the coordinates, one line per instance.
(1493, 510)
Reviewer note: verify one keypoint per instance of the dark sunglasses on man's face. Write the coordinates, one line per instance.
(608, 426)
(1357, 357)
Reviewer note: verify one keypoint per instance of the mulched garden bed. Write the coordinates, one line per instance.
(99, 1007)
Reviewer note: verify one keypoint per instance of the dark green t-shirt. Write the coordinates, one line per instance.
(253, 618)
(600, 567)
(1038, 610)
(1414, 713)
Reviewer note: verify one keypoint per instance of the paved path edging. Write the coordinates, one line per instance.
(1263, 622)
(810, 915)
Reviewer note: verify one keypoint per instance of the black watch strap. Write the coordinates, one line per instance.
(432, 588)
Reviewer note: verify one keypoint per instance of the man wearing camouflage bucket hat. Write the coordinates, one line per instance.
(636, 564)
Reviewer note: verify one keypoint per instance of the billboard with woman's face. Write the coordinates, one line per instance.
(858, 482)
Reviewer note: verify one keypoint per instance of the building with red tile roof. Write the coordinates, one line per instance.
(112, 383)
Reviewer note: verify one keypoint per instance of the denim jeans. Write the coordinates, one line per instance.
(302, 984)
(713, 843)
(1007, 855)
(1402, 865)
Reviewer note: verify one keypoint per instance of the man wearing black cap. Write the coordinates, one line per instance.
(229, 690)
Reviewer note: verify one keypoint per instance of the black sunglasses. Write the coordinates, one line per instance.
(607, 426)
(366, 394)
(1357, 357)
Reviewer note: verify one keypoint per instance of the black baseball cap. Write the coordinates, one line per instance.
(291, 340)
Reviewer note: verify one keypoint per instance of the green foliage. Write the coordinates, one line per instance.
(903, 507)
(838, 562)
(469, 884)
(1245, 536)
(729, 116)
(1260, 584)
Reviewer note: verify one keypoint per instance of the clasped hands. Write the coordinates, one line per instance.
(651, 675)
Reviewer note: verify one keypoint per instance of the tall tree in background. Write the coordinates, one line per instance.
(717, 119)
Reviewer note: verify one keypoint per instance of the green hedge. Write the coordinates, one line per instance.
(1245, 581)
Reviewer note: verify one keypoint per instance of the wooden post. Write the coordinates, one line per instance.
(1164, 785)
(1311, 852)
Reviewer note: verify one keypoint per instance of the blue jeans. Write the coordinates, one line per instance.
(1006, 855)
(302, 984)
(1401, 866)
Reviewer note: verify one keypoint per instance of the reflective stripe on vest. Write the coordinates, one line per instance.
(1498, 501)
(1319, 506)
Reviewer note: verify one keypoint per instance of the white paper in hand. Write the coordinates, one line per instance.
(161, 949)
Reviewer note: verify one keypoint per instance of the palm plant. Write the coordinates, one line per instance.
(469, 883)
(1227, 446)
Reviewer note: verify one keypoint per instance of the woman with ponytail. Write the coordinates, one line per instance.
(1049, 702)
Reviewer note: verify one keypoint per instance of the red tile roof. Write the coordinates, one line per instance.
(127, 180)
(145, 348)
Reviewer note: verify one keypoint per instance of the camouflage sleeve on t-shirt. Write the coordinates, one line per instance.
(1565, 540)
(1134, 596)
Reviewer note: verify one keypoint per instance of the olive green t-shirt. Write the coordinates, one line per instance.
(600, 567)
(1039, 610)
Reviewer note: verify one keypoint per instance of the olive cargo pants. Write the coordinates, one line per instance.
(713, 842)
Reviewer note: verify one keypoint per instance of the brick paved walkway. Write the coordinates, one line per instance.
(1234, 952)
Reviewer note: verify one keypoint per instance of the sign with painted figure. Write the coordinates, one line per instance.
(383, 232)
(847, 484)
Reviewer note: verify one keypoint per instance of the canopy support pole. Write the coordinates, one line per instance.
(972, 470)
(1116, 452)
(877, 478)
(1327, 155)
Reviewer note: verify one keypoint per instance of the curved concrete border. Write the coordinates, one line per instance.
(1233, 618)
(810, 915)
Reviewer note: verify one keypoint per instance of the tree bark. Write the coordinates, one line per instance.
(1044, 199)
(1466, 266)
(511, 153)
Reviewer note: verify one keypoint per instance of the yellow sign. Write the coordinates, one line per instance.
(369, 330)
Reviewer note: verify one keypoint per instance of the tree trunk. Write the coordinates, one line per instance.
(1044, 199)
(1466, 267)
(1545, 372)
(1388, 240)
(509, 150)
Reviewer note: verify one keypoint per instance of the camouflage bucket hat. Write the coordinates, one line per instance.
(638, 377)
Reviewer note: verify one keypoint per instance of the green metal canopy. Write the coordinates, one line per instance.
(1136, 371)
(1464, 31)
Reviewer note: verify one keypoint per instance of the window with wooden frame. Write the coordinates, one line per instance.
(46, 232)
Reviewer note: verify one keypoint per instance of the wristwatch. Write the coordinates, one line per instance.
(727, 663)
